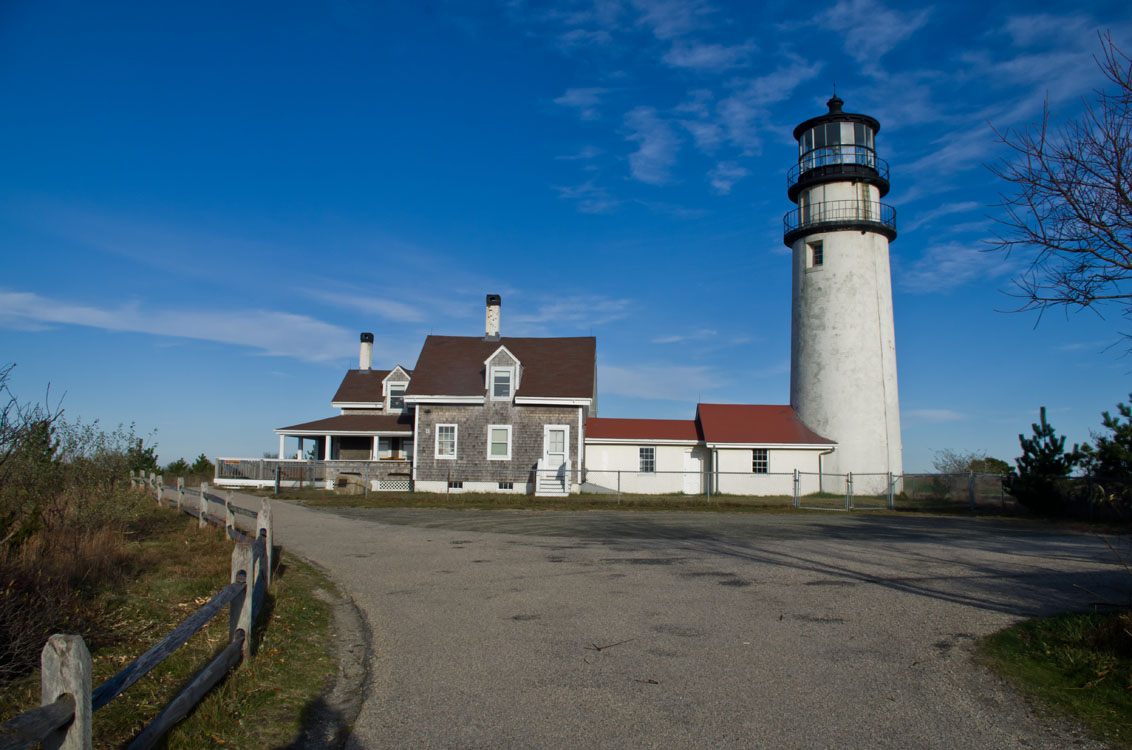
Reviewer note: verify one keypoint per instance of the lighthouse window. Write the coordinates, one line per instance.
(817, 257)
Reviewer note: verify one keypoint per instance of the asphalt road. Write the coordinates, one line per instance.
(633, 630)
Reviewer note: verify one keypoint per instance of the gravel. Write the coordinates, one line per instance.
(605, 629)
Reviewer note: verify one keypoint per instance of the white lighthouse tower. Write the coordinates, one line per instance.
(843, 344)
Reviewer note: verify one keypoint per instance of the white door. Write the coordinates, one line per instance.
(693, 473)
(555, 439)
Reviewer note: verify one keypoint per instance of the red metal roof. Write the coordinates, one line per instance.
(755, 423)
(642, 429)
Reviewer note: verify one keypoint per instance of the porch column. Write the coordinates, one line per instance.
(326, 457)
(373, 449)
(282, 447)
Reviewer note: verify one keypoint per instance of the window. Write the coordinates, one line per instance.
(397, 396)
(446, 441)
(499, 442)
(500, 383)
(648, 460)
(454, 485)
(759, 461)
(506, 485)
(816, 253)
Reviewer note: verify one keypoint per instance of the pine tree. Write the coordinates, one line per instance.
(1109, 462)
(1041, 468)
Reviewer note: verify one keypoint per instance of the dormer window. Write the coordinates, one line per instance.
(396, 396)
(502, 383)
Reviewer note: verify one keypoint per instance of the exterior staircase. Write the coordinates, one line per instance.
(552, 480)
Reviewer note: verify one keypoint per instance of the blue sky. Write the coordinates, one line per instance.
(201, 205)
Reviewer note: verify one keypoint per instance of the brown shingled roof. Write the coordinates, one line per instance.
(552, 367)
(755, 423)
(642, 429)
(361, 386)
(355, 423)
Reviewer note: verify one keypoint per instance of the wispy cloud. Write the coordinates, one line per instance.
(709, 58)
(673, 209)
(591, 198)
(699, 335)
(667, 381)
(945, 266)
(268, 331)
(584, 154)
(946, 209)
(584, 100)
(745, 113)
(726, 174)
(652, 162)
(375, 304)
(574, 313)
(668, 19)
(869, 29)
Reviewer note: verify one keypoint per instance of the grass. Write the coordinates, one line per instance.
(1079, 666)
(178, 568)
(520, 501)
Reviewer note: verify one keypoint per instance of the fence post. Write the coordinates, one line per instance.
(971, 490)
(365, 492)
(263, 524)
(796, 480)
(1002, 490)
(891, 491)
(849, 491)
(180, 492)
(277, 468)
(65, 668)
(202, 518)
(240, 611)
(618, 486)
(229, 516)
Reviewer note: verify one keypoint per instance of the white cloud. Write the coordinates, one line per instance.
(670, 382)
(371, 304)
(576, 313)
(946, 209)
(591, 198)
(745, 113)
(585, 100)
(668, 19)
(707, 58)
(726, 174)
(700, 335)
(945, 266)
(584, 154)
(657, 146)
(706, 135)
(269, 331)
(869, 29)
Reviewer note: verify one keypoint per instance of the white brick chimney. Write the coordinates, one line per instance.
(365, 353)
(492, 324)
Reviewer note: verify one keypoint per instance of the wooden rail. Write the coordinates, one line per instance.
(64, 719)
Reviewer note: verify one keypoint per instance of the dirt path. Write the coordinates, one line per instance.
(525, 629)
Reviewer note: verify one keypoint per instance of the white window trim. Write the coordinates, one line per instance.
(766, 460)
(455, 442)
(640, 463)
(389, 395)
(513, 371)
(491, 427)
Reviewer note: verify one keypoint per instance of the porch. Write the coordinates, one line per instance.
(388, 474)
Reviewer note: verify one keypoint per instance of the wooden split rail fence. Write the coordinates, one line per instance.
(63, 719)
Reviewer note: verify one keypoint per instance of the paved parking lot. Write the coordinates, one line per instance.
(606, 629)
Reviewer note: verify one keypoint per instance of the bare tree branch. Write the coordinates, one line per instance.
(1070, 212)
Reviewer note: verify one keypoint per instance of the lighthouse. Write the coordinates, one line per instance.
(843, 342)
